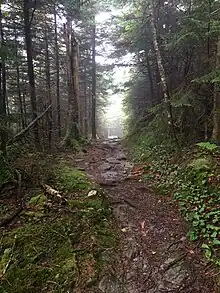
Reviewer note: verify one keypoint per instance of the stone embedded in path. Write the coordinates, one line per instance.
(121, 156)
(110, 284)
(112, 160)
(106, 145)
(105, 167)
(172, 276)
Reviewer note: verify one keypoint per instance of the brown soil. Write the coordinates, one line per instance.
(155, 255)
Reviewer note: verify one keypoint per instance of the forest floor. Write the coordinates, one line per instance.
(74, 244)
(155, 254)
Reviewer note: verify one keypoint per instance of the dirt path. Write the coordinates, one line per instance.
(154, 255)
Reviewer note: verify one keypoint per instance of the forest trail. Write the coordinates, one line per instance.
(155, 255)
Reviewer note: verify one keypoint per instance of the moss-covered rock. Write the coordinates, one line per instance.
(71, 180)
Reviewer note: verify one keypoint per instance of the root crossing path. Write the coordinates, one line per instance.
(154, 255)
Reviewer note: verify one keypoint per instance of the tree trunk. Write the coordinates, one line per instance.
(151, 84)
(162, 72)
(85, 123)
(3, 124)
(48, 86)
(72, 64)
(94, 81)
(57, 74)
(18, 80)
(216, 102)
(31, 76)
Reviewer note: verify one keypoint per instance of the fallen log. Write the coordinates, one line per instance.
(20, 134)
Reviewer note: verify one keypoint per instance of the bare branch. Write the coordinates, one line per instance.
(20, 134)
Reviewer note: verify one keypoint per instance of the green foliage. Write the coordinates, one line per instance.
(182, 38)
(6, 172)
(75, 145)
(212, 77)
(187, 180)
(207, 146)
(199, 168)
(181, 99)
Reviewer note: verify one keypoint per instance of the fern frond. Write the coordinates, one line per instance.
(212, 77)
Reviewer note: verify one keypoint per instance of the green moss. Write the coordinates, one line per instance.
(70, 179)
(43, 253)
(58, 245)
(39, 199)
(52, 255)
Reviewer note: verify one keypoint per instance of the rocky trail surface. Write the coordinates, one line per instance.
(154, 254)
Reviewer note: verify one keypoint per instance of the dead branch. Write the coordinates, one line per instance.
(8, 220)
(51, 191)
(18, 184)
(20, 134)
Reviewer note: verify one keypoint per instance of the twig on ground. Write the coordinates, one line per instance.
(10, 258)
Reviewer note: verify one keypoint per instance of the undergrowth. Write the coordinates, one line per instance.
(56, 246)
(192, 178)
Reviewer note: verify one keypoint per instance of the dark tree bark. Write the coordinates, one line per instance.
(73, 80)
(216, 102)
(48, 86)
(18, 80)
(3, 112)
(57, 74)
(94, 81)
(151, 84)
(31, 76)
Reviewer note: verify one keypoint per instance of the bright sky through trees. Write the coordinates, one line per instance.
(115, 109)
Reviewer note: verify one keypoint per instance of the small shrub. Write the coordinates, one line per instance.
(207, 146)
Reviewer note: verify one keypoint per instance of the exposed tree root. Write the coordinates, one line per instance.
(11, 217)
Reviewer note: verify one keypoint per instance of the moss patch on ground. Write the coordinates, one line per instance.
(57, 247)
(70, 179)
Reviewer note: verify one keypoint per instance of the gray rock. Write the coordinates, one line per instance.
(110, 284)
(113, 160)
(173, 276)
(121, 156)
(106, 145)
(105, 167)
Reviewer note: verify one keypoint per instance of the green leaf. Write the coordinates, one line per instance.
(208, 253)
(216, 242)
(205, 246)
